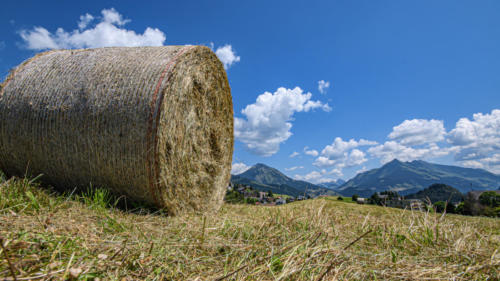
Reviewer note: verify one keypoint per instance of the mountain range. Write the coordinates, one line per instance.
(411, 177)
(265, 178)
(404, 177)
(332, 184)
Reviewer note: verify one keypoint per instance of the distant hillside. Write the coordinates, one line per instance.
(332, 184)
(438, 192)
(288, 190)
(263, 177)
(411, 177)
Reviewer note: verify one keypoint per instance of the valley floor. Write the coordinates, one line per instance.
(56, 236)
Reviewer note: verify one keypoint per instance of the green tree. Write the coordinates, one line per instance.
(490, 199)
(249, 200)
(340, 198)
(233, 196)
(497, 211)
(460, 208)
(489, 212)
(375, 199)
(390, 194)
(439, 206)
(355, 198)
(450, 208)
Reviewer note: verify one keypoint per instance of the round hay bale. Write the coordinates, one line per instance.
(152, 123)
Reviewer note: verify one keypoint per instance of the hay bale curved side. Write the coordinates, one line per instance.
(152, 123)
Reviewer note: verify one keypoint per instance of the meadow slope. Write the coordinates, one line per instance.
(49, 235)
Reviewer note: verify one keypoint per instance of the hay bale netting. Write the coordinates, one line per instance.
(152, 123)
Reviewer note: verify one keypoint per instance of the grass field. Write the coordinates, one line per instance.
(47, 235)
(345, 199)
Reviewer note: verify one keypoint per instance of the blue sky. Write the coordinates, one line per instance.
(401, 79)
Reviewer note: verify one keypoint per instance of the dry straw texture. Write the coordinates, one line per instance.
(50, 237)
(152, 123)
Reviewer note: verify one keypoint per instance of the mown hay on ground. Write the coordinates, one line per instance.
(152, 123)
(50, 235)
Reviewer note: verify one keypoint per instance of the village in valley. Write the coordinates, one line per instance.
(241, 193)
(472, 203)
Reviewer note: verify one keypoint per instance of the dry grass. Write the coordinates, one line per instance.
(60, 236)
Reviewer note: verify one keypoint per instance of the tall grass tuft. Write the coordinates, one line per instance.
(98, 198)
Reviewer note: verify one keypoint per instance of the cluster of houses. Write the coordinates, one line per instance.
(401, 202)
(393, 200)
(263, 197)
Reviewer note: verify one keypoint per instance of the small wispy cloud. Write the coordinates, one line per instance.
(238, 168)
(294, 168)
(323, 86)
(311, 152)
(227, 55)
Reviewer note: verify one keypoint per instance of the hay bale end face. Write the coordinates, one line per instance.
(152, 123)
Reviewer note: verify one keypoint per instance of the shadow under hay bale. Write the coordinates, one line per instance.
(152, 123)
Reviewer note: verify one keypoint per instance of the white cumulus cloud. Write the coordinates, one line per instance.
(320, 176)
(473, 143)
(477, 141)
(85, 20)
(472, 164)
(112, 16)
(238, 168)
(295, 153)
(339, 147)
(227, 55)
(312, 176)
(394, 150)
(311, 152)
(267, 122)
(492, 163)
(323, 161)
(107, 32)
(342, 154)
(337, 172)
(418, 132)
(323, 86)
(483, 127)
(356, 157)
